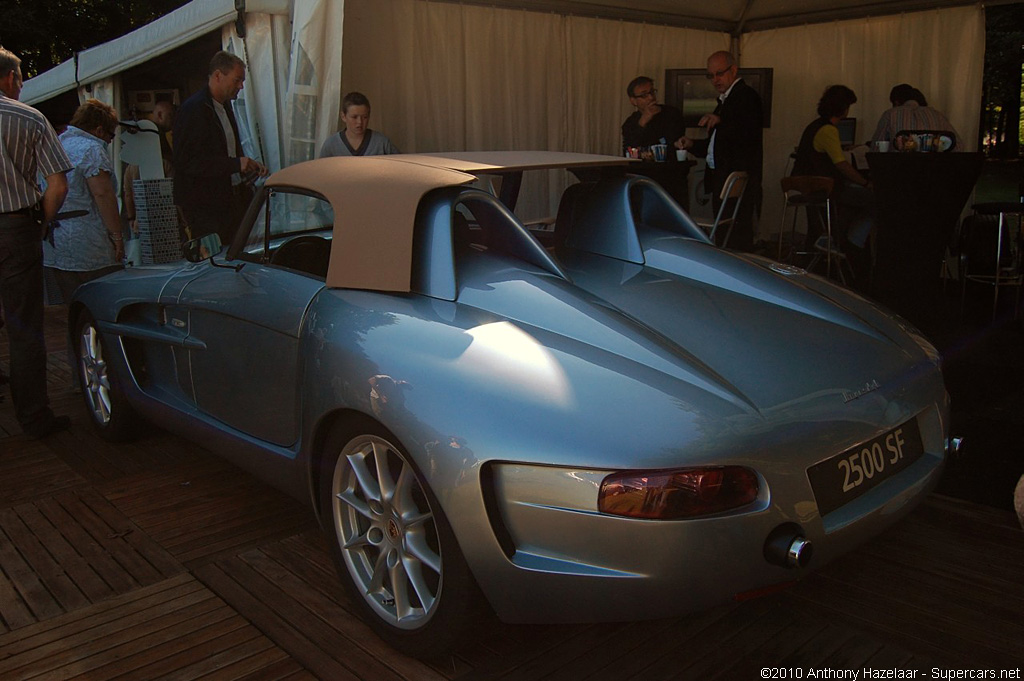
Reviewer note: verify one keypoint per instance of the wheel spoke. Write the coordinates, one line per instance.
(367, 482)
(418, 519)
(403, 499)
(413, 568)
(380, 571)
(400, 588)
(89, 342)
(417, 546)
(358, 505)
(358, 542)
(103, 405)
(384, 479)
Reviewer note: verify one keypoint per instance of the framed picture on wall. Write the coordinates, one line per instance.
(690, 91)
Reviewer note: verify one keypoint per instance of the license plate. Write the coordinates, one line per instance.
(846, 476)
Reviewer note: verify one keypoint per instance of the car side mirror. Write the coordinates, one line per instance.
(198, 250)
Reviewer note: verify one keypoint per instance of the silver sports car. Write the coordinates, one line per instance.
(603, 417)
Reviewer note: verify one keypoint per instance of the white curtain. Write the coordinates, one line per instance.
(940, 52)
(443, 76)
(265, 53)
(290, 98)
(314, 78)
(448, 77)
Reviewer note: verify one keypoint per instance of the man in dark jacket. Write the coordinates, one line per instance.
(211, 176)
(734, 142)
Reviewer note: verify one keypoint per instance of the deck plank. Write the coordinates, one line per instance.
(70, 579)
(174, 629)
(251, 606)
(29, 470)
(200, 513)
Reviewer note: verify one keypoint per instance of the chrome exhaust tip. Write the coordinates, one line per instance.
(787, 547)
(799, 553)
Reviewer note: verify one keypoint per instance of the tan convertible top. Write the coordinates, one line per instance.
(375, 200)
(486, 162)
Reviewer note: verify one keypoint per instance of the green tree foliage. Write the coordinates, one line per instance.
(45, 33)
(1004, 64)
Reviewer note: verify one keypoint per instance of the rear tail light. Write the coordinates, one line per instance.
(673, 494)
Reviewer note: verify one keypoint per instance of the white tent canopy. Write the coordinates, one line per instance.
(162, 35)
(540, 74)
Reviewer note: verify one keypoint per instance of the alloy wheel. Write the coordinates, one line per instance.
(387, 532)
(95, 379)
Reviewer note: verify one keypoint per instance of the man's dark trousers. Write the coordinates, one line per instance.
(21, 292)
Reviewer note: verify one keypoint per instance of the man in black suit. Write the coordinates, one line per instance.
(210, 172)
(734, 142)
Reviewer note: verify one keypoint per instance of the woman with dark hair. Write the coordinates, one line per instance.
(90, 245)
(820, 153)
(356, 139)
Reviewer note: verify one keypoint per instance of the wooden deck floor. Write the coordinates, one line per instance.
(156, 559)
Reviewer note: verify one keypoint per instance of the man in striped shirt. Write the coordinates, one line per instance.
(28, 149)
(910, 111)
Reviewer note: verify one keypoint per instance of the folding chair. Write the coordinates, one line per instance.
(734, 188)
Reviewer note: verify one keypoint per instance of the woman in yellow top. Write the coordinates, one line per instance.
(820, 153)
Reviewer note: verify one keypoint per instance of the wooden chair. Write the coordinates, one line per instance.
(734, 188)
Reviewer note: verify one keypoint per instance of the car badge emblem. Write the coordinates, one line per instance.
(788, 270)
(870, 386)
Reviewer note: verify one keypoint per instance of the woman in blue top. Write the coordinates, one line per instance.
(357, 139)
(91, 245)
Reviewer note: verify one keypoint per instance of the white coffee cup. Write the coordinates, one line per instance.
(681, 155)
(882, 146)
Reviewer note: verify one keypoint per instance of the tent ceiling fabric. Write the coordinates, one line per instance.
(155, 38)
(729, 16)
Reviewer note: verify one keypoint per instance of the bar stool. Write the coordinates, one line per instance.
(811, 192)
(1003, 273)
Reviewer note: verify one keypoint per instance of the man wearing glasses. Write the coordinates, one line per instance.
(651, 123)
(734, 142)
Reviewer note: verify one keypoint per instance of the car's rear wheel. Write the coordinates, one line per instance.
(110, 412)
(394, 548)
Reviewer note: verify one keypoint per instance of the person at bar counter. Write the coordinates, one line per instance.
(734, 142)
(29, 149)
(651, 123)
(211, 174)
(357, 139)
(821, 153)
(910, 111)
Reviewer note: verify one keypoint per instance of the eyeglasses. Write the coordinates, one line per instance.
(644, 95)
(717, 74)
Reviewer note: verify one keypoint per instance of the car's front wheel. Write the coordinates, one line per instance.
(110, 412)
(393, 545)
